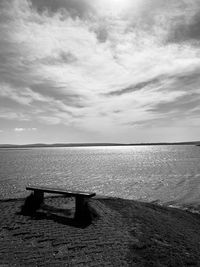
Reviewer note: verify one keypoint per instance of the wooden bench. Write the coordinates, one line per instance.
(81, 198)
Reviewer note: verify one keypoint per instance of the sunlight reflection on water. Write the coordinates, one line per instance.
(150, 173)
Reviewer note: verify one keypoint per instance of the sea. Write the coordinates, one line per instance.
(163, 174)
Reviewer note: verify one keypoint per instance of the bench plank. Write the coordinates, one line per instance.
(60, 191)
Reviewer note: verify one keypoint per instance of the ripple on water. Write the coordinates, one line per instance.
(164, 173)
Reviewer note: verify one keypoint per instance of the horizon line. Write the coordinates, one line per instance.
(97, 144)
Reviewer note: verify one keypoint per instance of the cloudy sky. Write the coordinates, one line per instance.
(99, 71)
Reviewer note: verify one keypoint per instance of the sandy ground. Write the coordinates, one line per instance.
(125, 233)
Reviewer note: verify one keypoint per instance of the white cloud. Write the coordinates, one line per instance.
(19, 129)
(24, 129)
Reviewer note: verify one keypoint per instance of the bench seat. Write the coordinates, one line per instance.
(70, 193)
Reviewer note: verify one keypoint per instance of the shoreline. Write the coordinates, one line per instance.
(192, 207)
(70, 145)
(125, 233)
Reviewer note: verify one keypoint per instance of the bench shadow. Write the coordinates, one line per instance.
(81, 223)
(38, 211)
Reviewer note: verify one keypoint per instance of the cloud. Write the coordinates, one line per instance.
(19, 129)
(21, 95)
(184, 104)
(187, 32)
(185, 28)
(62, 58)
(9, 114)
(67, 96)
(24, 129)
(98, 66)
(133, 88)
(73, 7)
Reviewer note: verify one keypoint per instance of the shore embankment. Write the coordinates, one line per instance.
(125, 233)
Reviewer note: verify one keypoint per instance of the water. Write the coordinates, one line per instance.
(164, 174)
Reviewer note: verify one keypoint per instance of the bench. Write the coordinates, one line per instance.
(81, 198)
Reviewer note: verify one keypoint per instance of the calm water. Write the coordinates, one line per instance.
(167, 174)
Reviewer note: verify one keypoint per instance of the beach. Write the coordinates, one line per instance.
(122, 233)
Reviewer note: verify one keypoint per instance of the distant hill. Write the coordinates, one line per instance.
(94, 144)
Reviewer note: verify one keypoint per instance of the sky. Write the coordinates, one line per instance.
(123, 71)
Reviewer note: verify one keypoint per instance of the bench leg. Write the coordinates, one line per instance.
(33, 202)
(81, 206)
(39, 196)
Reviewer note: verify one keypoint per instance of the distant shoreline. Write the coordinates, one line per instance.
(94, 144)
